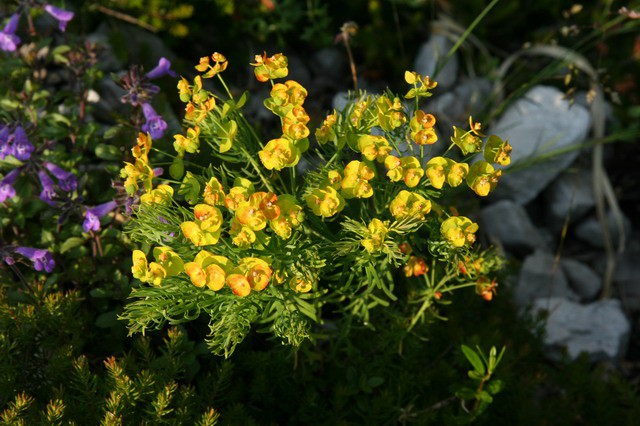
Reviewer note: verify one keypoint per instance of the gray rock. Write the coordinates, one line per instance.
(538, 124)
(508, 223)
(330, 62)
(627, 277)
(590, 230)
(600, 329)
(430, 54)
(340, 100)
(570, 195)
(582, 279)
(540, 277)
(108, 62)
(467, 98)
(298, 71)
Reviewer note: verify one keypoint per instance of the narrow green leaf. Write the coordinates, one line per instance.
(473, 358)
(71, 243)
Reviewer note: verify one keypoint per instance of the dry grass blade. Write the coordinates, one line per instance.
(603, 191)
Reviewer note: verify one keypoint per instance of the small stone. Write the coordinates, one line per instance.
(508, 223)
(541, 277)
(582, 279)
(330, 62)
(538, 124)
(570, 195)
(431, 53)
(590, 230)
(600, 329)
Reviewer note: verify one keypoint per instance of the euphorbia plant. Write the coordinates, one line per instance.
(246, 233)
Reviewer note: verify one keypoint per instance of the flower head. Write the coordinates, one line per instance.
(155, 124)
(41, 258)
(62, 16)
(270, 68)
(48, 192)
(22, 148)
(92, 216)
(9, 41)
(163, 68)
(6, 185)
(459, 231)
(67, 181)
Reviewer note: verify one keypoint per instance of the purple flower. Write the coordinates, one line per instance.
(93, 215)
(67, 181)
(48, 192)
(163, 68)
(22, 148)
(6, 146)
(9, 41)
(6, 185)
(155, 124)
(41, 258)
(63, 16)
(158, 171)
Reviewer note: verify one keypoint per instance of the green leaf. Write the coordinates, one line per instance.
(466, 393)
(484, 396)
(71, 243)
(112, 132)
(495, 386)
(243, 100)
(190, 188)
(176, 170)
(375, 381)
(107, 320)
(108, 152)
(474, 359)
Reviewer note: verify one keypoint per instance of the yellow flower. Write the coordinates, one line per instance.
(169, 260)
(140, 171)
(213, 193)
(208, 269)
(483, 178)
(270, 68)
(459, 231)
(242, 236)
(325, 202)
(300, 285)
(279, 153)
(374, 147)
(411, 170)
(143, 146)
(220, 64)
(199, 237)
(498, 151)
(239, 284)
(437, 171)
(189, 143)
(140, 268)
(468, 142)
(197, 113)
(422, 131)
(326, 132)
(408, 204)
(377, 233)
(258, 272)
(241, 190)
(394, 166)
(390, 114)
(184, 89)
(208, 217)
(291, 216)
(457, 173)
(162, 194)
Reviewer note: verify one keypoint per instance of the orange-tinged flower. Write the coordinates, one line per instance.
(210, 217)
(189, 143)
(415, 267)
(135, 173)
(405, 248)
(269, 206)
(196, 274)
(486, 289)
(239, 284)
(220, 64)
(242, 236)
(143, 146)
(412, 171)
(270, 68)
(250, 216)
(394, 166)
(291, 216)
(326, 132)
(334, 179)
(184, 89)
(258, 272)
(213, 193)
(359, 169)
(199, 237)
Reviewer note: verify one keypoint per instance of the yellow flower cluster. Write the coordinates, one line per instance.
(440, 169)
(326, 133)
(377, 233)
(140, 170)
(270, 68)
(206, 269)
(409, 205)
(286, 101)
(459, 231)
(407, 169)
(422, 131)
(390, 113)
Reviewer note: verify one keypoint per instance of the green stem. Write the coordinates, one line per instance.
(225, 86)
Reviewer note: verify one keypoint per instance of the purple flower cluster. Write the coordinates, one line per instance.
(15, 144)
(41, 258)
(92, 215)
(9, 41)
(139, 92)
